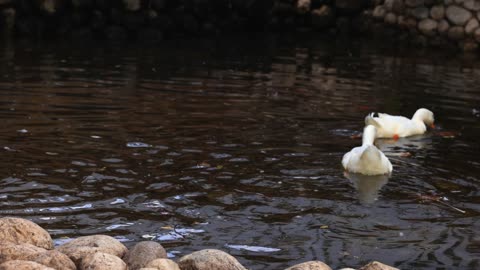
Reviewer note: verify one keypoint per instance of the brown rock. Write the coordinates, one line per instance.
(391, 18)
(209, 259)
(102, 243)
(377, 266)
(163, 264)
(414, 3)
(23, 265)
(144, 252)
(54, 259)
(19, 231)
(303, 6)
(148, 268)
(428, 27)
(77, 254)
(411, 23)
(456, 33)
(396, 6)
(312, 265)
(10, 251)
(473, 5)
(437, 12)
(471, 26)
(102, 261)
(458, 15)
(132, 5)
(468, 45)
(443, 27)
(420, 13)
(379, 12)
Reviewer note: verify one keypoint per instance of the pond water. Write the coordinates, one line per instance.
(236, 145)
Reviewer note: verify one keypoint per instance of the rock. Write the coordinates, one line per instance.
(437, 12)
(476, 35)
(391, 18)
(401, 21)
(144, 252)
(471, 26)
(54, 259)
(473, 5)
(163, 264)
(148, 268)
(82, 247)
(420, 13)
(414, 3)
(396, 6)
(322, 17)
(377, 266)
(458, 15)
(428, 27)
(23, 265)
(209, 259)
(456, 33)
(303, 6)
(10, 251)
(102, 261)
(312, 265)
(20, 231)
(442, 27)
(411, 23)
(132, 5)
(379, 12)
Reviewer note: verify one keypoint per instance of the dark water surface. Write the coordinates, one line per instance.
(237, 144)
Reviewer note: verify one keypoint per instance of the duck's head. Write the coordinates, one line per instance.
(426, 116)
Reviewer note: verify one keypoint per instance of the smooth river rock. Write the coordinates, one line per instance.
(414, 3)
(143, 253)
(311, 265)
(437, 12)
(102, 261)
(473, 5)
(163, 264)
(443, 27)
(209, 259)
(24, 265)
(377, 266)
(428, 27)
(458, 15)
(10, 251)
(54, 259)
(22, 231)
(471, 26)
(456, 33)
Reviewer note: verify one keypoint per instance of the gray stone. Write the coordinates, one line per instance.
(458, 15)
(379, 12)
(456, 33)
(391, 18)
(473, 5)
(311, 265)
(428, 27)
(209, 259)
(414, 3)
(420, 13)
(471, 26)
(144, 252)
(443, 27)
(437, 12)
(377, 266)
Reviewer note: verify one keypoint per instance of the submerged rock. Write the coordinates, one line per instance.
(22, 231)
(311, 265)
(143, 253)
(209, 259)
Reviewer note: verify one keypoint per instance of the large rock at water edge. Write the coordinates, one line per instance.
(312, 265)
(428, 27)
(209, 259)
(102, 261)
(458, 15)
(22, 231)
(163, 264)
(54, 259)
(144, 252)
(377, 266)
(10, 251)
(24, 265)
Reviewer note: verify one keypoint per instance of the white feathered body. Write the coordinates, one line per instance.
(389, 126)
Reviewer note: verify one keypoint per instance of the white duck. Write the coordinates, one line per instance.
(367, 159)
(391, 126)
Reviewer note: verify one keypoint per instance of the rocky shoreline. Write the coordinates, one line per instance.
(26, 246)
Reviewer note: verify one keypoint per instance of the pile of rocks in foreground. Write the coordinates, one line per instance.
(26, 246)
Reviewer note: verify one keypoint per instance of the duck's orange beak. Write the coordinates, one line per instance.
(432, 125)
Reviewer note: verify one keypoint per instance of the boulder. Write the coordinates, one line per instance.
(54, 259)
(437, 12)
(102, 261)
(473, 5)
(420, 13)
(379, 12)
(391, 18)
(163, 264)
(209, 259)
(458, 15)
(428, 27)
(144, 252)
(396, 6)
(377, 266)
(10, 251)
(23, 265)
(471, 26)
(312, 265)
(22, 231)
(456, 33)
(442, 27)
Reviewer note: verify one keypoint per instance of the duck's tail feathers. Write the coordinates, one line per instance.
(370, 120)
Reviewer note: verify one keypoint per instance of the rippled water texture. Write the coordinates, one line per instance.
(236, 145)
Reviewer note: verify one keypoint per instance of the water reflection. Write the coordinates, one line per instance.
(367, 186)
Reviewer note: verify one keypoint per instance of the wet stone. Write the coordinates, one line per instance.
(23, 265)
(312, 265)
(209, 259)
(458, 15)
(437, 12)
(428, 27)
(144, 252)
(19, 231)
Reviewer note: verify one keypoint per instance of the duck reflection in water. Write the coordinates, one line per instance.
(367, 186)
